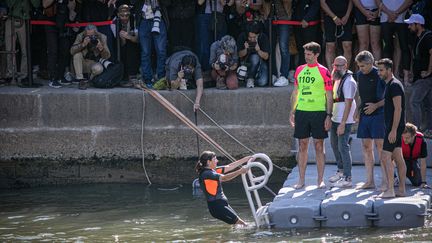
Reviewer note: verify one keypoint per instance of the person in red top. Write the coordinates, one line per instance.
(311, 110)
(414, 147)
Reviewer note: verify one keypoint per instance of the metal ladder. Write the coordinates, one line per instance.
(252, 183)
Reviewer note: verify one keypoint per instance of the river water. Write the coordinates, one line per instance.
(137, 213)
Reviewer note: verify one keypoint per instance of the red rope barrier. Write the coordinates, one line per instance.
(291, 22)
(72, 25)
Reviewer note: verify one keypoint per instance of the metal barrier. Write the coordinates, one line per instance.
(252, 184)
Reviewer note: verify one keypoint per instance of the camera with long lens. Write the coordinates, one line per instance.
(188, 73)
(156, 21)
(105, 63)
(223, 62)
(242, 72)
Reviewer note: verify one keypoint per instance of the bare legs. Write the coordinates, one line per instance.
(369, 159)
(389, 168)
(302, 161)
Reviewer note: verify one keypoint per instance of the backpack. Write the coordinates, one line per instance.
(110, 77)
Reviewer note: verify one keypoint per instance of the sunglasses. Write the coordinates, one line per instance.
(339, 34)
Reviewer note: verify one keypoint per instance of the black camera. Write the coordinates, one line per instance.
(188, 73)
(93, 40)
(252, 45)
(224, 62)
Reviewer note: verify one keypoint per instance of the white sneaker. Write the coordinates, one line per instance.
(250, 83)
(281, 82)
(343, 182)
(183, 85)
(336, 177)
(274, 79)
(291, 78)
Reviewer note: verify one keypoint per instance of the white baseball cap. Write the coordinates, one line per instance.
(415, 19)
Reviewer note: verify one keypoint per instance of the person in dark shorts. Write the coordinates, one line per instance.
(367, 22)
(311, 110)
(211, 177)
(414, 148)
(394, 120)
(370, 115)
(337, 26)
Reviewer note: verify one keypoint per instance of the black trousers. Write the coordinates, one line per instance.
(58, 56)
(387, 32)
(131, 58)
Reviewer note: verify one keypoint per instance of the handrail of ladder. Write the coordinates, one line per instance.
(256, 183)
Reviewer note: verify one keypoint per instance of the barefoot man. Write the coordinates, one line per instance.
(370, 115)
(311, 110)
(394, 120)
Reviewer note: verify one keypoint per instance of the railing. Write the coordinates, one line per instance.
(253, 183)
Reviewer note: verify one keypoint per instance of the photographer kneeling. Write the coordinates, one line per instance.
(88, 48)
(182, 69)
(254, 48)
(223, 60)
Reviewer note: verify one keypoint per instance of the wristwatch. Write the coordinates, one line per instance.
(330, 115)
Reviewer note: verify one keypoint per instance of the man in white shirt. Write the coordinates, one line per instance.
(344, 105)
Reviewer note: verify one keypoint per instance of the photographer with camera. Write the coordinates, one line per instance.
(129, 44)
(254, 48)
(184, 72)
(58, 38)
(224, 60)
(88, 48)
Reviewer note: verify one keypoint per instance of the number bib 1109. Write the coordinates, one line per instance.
(311, 90)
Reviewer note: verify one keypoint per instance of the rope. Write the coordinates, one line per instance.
(142, 139)
(165, 103)
(284, 169)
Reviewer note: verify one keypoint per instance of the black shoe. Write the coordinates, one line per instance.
(54, 84)
(78, 80)
(63, 81)
(83, 84)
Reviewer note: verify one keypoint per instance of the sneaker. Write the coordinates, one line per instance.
(83, 84)
(336, 177)
(291, 78)
(183, 85)
(149, 85)
(64, 81)
(250, 83)
(281, 82)
(274, 79)
(54, 84)
(343, 182)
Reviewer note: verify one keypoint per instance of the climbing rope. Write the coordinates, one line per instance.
(142, 139)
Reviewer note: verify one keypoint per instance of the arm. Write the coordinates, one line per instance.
(237, 163)
(327, 9)
(264, 55)
(329, 109)
(78, 45)
(397, 101)
(406, 4)
(232, 175)
(243, 52)
(341, 127)
(199, 92)
(347, 14)
(425, 74)
(294, 96)
(371, 107)
(423, 165)
(47, 3)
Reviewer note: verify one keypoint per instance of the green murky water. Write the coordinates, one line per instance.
(136, 213)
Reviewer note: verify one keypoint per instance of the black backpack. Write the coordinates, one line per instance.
(110, 77)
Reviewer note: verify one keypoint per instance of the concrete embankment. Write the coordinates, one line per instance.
(61, 136)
